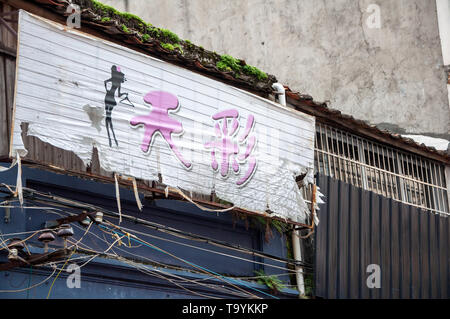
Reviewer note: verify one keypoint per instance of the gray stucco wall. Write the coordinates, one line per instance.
(392, 76)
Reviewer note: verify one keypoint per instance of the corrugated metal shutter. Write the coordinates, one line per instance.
(358, 228)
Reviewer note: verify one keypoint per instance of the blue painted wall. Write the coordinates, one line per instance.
(104, 278)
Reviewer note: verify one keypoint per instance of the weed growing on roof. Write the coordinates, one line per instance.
(170, 35)
(228, 63)
(251, 70)
(125, 29)
(225, 63)
(167, 46)
(104, 8)
(178, 47)
(130, 16)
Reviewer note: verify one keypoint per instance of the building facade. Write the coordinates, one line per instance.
(385, 197)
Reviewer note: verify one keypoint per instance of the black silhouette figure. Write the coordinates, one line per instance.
(117, 78)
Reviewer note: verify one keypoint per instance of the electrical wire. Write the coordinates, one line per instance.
(222, 289)
(226, 279)
(189, 236)
(51, 287)
(159, 275)
(210, 251)
(163, 228)
(36, 285)
(227, 290)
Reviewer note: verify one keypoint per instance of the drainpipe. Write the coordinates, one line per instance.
(280, 92)
(298, 257)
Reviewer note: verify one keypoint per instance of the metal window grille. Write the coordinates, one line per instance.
(399, 175)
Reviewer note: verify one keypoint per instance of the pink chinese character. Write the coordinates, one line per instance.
(158, 121)
(227, 145)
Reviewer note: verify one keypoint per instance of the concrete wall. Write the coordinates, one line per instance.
(390, 74)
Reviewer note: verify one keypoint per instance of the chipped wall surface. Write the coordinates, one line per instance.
(152, 120)
(332, 50)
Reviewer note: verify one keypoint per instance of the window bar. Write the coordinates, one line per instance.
(440, 196)
(328, 152)
(434, 181)
(409, 184)
(400, 171)
(361, 177)
(412, 185)
(319, 149)
(423, 179)
(393, 195)
(352, 173)
(334, 135)
(382, 172)
(393, 178)
(368, 169)
(427, 188)
(324, 156)
(348, 163)
(362, 159)
(316, 149)
(418, 182)
(420, 185)
(357, 167)
(375, 171)
(444, 192)
(395, 174)
(387, 165)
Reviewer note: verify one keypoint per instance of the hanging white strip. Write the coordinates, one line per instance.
(4, 169)
(118, 198)
(19, 190)
(136, 194)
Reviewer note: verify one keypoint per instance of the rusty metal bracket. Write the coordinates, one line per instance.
(35, 259)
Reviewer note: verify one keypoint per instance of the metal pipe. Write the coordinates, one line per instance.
(298, 257)
(280, 92)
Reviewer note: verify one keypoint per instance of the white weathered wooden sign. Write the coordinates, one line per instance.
(147, 117)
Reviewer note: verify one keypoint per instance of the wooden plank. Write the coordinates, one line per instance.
(333, 243)
(434, 257)
(8, 39)
(386, 243)
(365, 257)
(395, 250)
(3, 111)
(444, 255)
(344, 258)
(321, 235)
(405, 246)
(376, 239)
(425, 255)
(355, 242)
(415, 256)
(10, 75)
